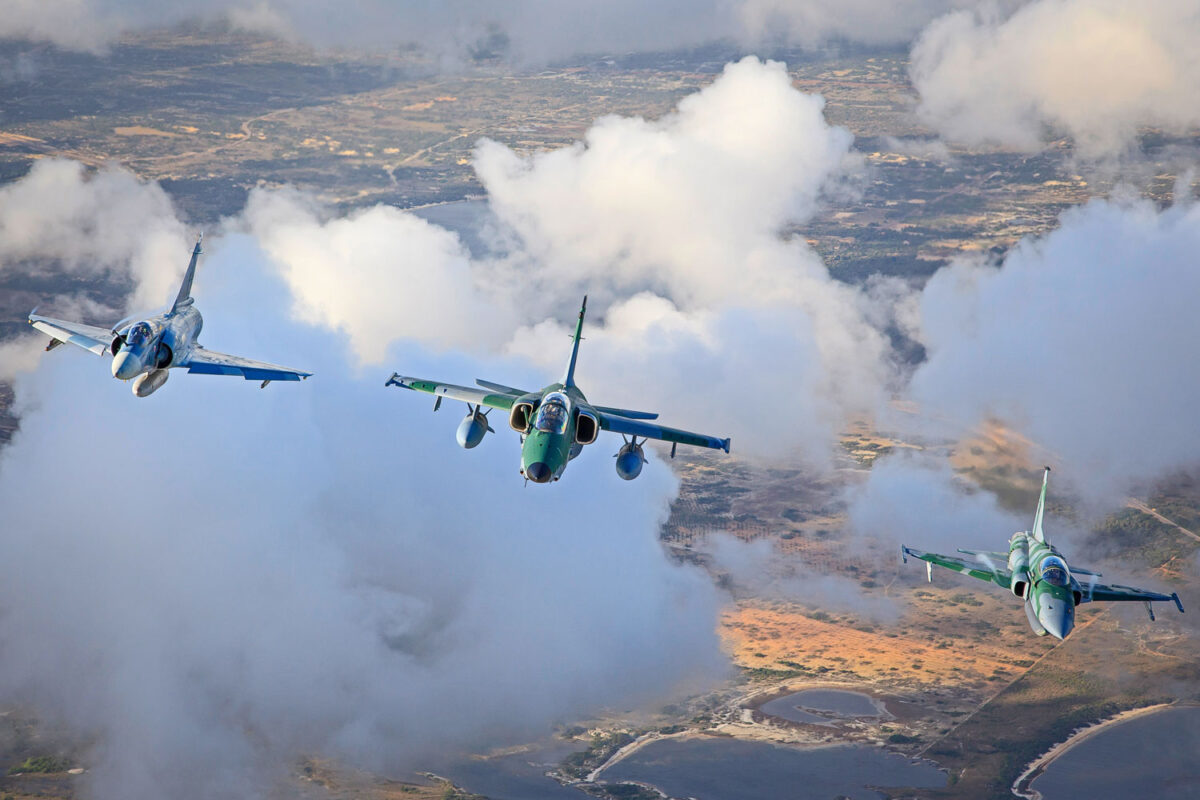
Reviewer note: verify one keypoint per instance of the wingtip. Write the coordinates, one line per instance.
(1178, 604)
(725, 445)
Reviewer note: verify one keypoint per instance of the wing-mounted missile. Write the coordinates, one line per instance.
(473, 427)
(1018, 564)
(630, 459)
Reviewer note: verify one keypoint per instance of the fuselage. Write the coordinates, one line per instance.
(1041, 576)
(551, 431)
(155, 344)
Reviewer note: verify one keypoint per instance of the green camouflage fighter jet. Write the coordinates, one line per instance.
(556, 422)
(1038, 574)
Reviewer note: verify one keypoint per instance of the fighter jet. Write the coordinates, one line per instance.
(1036, 572)
(144, 350)
(556, 422)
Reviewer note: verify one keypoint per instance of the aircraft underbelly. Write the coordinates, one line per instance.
(1031, 615)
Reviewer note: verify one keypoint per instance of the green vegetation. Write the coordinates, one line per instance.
(1136, 535)
(41, 764)
(900, 738)
(452, 792)
(578, 765)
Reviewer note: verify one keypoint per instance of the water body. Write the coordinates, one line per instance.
(521, 776)
(470, 219)
(1155, 756)
(719, 769)
(835, 703)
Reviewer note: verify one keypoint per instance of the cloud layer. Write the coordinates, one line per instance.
(217, 579)
(1082, 340)
(671, 226)
(1096, 70)
(526, 31)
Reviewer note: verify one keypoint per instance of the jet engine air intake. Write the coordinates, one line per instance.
(587, 427)
(519, 417)
(164, 357)
(1018, 565)
(117, 343)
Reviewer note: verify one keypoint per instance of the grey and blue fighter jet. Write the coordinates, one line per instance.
(143, 350)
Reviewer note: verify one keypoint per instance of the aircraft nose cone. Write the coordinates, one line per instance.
(1056, 618)
(125, 366)
(538, 472)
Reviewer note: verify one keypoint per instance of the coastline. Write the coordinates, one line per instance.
(1023, 785)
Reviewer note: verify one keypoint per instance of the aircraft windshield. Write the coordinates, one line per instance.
(551, 415)
(139, 336)
(1054, 571)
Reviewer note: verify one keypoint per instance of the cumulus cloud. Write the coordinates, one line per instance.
(1082, 340)
(107, 223)
(811, 22)
(671, 226)
(19, 355)
(1096, 70)
(379, 275)
(236, 577)
(524, 31)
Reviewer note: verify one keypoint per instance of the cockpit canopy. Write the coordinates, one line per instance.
(1054, 571)
(552, 414)
(139, 335)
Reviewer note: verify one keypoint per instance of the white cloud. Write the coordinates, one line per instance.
(700, 309)
(379, 274)
(524, 31)
(1083, 340)
(1097, 70)
(237, 577)
(102, 223)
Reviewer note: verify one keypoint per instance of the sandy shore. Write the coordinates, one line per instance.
(1023, 785)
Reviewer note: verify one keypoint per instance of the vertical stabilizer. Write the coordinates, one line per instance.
(185, 289)
(569, 378)
(1037, 518)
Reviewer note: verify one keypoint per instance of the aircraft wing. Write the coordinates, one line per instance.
(89, 337)
(637, 427)
(1116, 593)
(493, 398)
(996, 572)
(210, 362)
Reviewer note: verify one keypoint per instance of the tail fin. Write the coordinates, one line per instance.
(1037, 518)
(569, 378)
(185, 290)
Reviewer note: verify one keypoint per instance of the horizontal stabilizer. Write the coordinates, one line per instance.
(992, 554)
(499, 387)
(625, 412)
